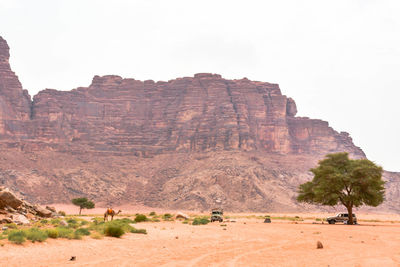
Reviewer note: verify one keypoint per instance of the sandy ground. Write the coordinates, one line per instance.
(246, 242)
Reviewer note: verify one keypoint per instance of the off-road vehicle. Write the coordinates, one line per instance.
(216, 215)
(341, 217)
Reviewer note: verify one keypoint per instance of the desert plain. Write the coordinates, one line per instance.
(241, 240)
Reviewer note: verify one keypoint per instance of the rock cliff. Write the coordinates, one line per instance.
(199, 120)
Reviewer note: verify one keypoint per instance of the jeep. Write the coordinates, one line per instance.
(341, 217)
(216, 215)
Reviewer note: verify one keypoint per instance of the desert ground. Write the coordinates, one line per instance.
(241, 240)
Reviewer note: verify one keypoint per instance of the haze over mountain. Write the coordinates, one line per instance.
(190, 143)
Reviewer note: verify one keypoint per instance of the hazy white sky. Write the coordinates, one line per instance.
(339, 60)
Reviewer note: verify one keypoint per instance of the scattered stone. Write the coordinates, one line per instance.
(176, 237)
(20, 219)
(42, 212)
(4, 228)
(51, 209)
(9, 199)
(181, 215)
(63, 223)
(319, 245)
(72, 258)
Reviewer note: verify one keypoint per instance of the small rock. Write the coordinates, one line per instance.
(176, 237)
(20, 219)
(72, 258)
(42, 212)
(319, 245)
(4, 228)
(51, 208)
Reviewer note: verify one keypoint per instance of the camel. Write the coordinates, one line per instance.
(110, 212)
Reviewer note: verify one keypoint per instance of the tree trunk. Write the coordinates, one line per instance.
(80, 210)
(350, 212)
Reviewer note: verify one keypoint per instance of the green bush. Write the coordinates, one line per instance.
(153, 213)
(55, 221)
(82, 231)
(139, 231)
(200, 221)
(62, 213)
(84, 222)
(44, 221)
(64, 232)
(167, 216)
(114, 230)
(17, 236)
(140, 218)
(11, 225)
(127, 220)
(35, 234)
(52, 233)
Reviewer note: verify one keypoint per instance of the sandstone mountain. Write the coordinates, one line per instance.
(189, 143)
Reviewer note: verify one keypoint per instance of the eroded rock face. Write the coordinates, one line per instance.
(15, 103)
(177, 144)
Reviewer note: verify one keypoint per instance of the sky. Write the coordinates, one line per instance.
(339, 60)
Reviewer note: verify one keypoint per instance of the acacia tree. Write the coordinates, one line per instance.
(83, 203)
(351, 182)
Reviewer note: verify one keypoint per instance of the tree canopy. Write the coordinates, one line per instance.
(83, 203)
(350, 182)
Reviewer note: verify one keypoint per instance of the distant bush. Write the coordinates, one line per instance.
(52, 233)
(167, 217)
(84, 222)
(138, 231)
(185, 222)
(82, 231)
(200, 221)
(35, 234)
(62, 213)
(153, 213)
(11, 225)
(126, 220)
(114, 230)
(55, 221)
(44, 221)
(17, 236)
(140, 218)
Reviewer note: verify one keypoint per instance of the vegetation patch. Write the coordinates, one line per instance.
(138, 231)
(17, 236)
(114, 230)
(82, 231)
(200, 221)
(35, 234)
(140, 218)
(52, 233)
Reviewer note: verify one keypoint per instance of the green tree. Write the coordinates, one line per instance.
(351, 182)
(83, 203)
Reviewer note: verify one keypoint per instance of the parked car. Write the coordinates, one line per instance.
(217, 215)
(341, 217)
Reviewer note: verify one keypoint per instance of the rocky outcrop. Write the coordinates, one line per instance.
(15, 103)
(13, 209)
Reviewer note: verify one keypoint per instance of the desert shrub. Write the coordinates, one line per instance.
(72, 223)
(140, 218)
(44, 221)
(55, 221)
(82, 231)
(64, 232)
(167, 216)
(318, 219)
(17, 236)
(11, 225)
(84, 222)
(138, 231)
(127, 220)
(35, 234)
(62, 213)
(200, 220)
(185, 222)
(96, 235)
(114, 230)
(155, 220)
(52, 233)
(97, 220)
(153, 213)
